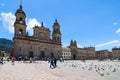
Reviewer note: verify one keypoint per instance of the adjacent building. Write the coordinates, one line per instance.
(102, 54)
(116, 52)
(81, 53)
(90, 52)
(3, 54)
(66, 53)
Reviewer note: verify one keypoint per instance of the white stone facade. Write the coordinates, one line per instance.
(66, 53)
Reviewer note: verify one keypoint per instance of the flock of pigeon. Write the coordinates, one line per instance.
(101, 67)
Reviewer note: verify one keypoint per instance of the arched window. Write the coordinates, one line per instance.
(20, 31)
(21, 20)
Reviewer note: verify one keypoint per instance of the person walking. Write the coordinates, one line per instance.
(1, 60)
(52, 64)
(30, 60)
(55, 62)
(13, 59)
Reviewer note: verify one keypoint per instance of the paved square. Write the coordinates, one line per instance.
(67, 70)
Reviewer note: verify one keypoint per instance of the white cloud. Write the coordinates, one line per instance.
(118, 30)
(31, 23)
(79, 46)
(108, 43)
(8, 20)
(115, 23)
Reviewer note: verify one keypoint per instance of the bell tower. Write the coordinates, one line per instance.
(20, 24)
(73, 47)
(56, 35)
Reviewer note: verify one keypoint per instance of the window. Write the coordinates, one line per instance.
(20, 49)
(21, 20)
(20, 31)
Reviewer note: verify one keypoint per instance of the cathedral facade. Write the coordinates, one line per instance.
(40, 44)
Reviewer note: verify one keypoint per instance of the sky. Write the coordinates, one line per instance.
(93, 23)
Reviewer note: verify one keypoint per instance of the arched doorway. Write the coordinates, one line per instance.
(31, 55)
(42, 54)
(52, 54)
(74, 56)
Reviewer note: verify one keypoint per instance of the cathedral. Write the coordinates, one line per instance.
(41, 44)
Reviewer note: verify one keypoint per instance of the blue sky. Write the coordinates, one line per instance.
(90, 22)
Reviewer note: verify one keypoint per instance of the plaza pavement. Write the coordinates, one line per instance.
(67, 70)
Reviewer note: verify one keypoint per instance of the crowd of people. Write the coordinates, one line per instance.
(3, 59)
(51, 60)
